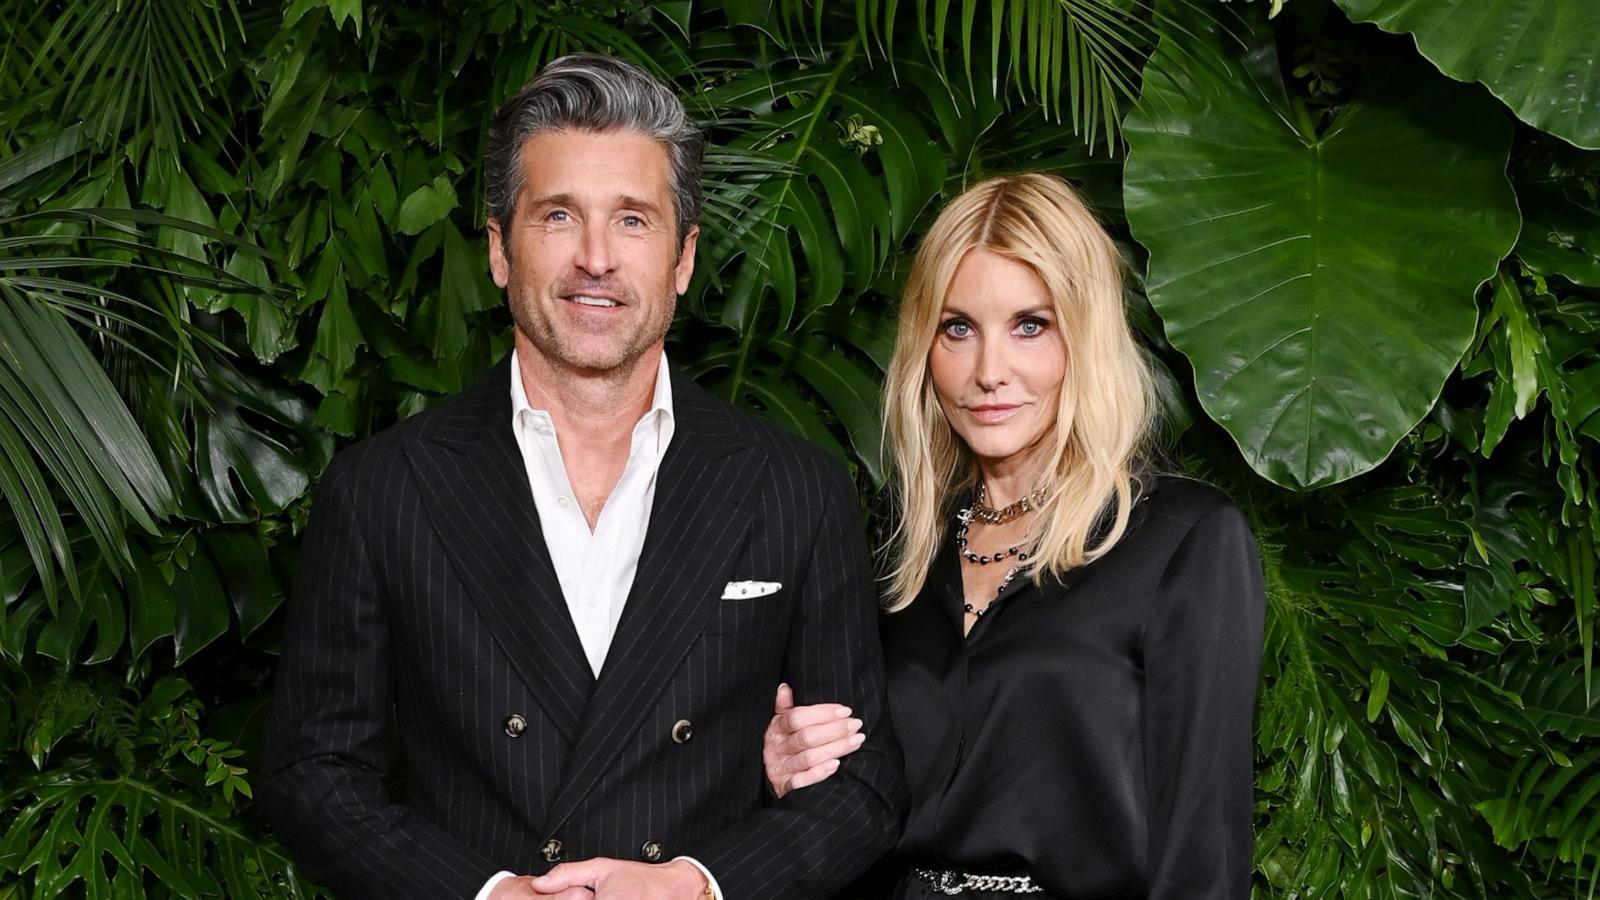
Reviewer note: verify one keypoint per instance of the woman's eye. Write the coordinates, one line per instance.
(957, 328)
(1031, 327)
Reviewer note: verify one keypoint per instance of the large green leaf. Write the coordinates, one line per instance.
(1559, 237)
(60, 402)
(1321, 283)
(1536, 55)
(66, 432)
(255, 445)
(112, 837)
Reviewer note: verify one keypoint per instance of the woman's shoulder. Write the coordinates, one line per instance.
(1172, 508)
(1185, 499)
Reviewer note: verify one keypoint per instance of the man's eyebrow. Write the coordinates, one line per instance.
(626, 201)
(640, 204)
(553, 200)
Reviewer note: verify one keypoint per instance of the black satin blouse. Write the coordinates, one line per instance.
(1094, 733)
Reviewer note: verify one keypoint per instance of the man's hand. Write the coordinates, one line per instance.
(615, 879)
(519, 887)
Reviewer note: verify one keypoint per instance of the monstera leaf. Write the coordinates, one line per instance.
(1536, 55)
(1559, 237)
(110, 837)
(1320, 282)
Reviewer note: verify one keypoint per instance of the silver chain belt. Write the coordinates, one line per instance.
(952, 883)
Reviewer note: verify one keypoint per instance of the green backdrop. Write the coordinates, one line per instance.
(1366, 239)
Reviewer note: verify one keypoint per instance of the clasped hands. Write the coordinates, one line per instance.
(607, 879)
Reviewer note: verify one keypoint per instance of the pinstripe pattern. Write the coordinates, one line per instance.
(427, 612)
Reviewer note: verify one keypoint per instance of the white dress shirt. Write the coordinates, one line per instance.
(595, 568)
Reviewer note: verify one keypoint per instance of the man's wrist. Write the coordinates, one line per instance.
(704, 883)
(494, 881)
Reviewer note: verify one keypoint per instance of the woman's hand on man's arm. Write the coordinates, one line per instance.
(803, 744)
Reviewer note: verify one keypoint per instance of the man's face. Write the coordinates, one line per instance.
(591, 261)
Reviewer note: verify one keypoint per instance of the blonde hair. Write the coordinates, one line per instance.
(1106, 402)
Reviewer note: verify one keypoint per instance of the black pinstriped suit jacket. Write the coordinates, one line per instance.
(427, 613)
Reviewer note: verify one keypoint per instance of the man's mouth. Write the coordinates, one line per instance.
(593, 301)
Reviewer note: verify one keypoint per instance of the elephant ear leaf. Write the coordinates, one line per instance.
(1536, 56)
(1321, 282)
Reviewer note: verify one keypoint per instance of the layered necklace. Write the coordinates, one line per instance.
(980, 511)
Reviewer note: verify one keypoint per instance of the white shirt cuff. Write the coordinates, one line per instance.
(716, 891)
(496, 878)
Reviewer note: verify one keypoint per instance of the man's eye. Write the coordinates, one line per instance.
(632, 221)
(557, 215)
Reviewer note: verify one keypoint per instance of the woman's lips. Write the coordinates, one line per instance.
(993, 413)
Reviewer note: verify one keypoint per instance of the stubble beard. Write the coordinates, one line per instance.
(556, 346)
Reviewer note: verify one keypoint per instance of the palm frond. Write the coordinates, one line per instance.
(149, 69)
(65, 430)
(1077, 60)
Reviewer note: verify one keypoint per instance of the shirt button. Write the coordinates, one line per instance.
(651, 851)
(562, 501)
(682, 731)
(516, 725)
(551, 850)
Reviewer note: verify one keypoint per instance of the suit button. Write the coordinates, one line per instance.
(651, 851)
(551, 850)
(516, 725)
(682, 730)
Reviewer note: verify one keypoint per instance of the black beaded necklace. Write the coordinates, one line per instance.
(983, 513)
(983, 559)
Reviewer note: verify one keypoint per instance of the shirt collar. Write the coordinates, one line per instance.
(659, 414)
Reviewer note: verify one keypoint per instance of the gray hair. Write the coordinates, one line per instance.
(591, 92)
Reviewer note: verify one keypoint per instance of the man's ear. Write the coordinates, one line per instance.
(685, 268)
(499, 264)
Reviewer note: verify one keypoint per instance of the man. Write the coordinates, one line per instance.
(568, 594)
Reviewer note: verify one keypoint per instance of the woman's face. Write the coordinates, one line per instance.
(999, 358)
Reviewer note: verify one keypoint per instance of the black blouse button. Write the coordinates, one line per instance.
(651, 851)
(516, 725)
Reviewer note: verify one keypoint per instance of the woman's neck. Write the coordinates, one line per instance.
(1008, 480)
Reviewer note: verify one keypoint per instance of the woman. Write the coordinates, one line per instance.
(1074, 640)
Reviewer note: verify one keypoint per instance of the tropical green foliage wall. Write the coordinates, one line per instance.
(235, 235)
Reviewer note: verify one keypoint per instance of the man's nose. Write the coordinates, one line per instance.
(594, 251)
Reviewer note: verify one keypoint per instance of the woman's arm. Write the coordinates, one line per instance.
(1202, 654)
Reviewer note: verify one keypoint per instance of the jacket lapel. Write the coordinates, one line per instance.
(697, 524)
(476, 490)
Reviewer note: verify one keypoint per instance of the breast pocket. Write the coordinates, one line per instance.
(750, 606)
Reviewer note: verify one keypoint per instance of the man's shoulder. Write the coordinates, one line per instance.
(454, 416)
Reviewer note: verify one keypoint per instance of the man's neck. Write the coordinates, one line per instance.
(594, 414)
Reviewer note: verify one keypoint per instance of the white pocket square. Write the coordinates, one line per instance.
(739, 590)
